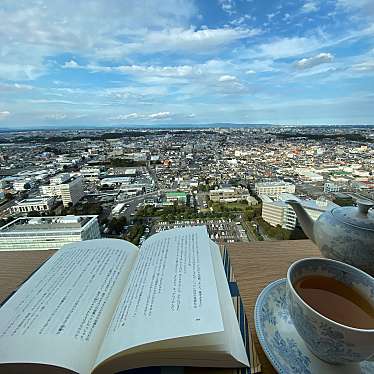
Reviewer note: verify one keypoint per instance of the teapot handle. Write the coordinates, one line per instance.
(364, 206)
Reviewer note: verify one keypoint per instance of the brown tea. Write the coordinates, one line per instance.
(336, 301)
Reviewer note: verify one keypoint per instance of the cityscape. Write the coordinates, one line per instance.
(62, 186)
(187, 186)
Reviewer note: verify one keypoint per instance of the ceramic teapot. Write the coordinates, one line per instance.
(342, 233)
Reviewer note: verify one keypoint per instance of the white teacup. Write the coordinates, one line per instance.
(329, 340)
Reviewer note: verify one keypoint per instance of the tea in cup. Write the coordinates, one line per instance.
(332, 307)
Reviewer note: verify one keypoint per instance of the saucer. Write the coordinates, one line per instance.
(283, 345)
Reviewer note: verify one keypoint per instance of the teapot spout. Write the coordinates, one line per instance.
(305, 221)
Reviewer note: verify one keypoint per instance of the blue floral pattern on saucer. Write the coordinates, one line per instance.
(283, 345)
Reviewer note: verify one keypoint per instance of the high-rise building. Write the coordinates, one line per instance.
(71, 191)
(43, 233)
(278, 212)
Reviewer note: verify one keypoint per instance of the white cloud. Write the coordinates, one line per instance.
(307, 63)
(349, 4)
(178, 39)
(71, 64)
(122, 117)
(227, 78)
(159, 115)
(287, 47)
(309, 7)
(5, 87)
(4, 114)
(367, 66)
(163, 71)
(363, 7)
(139, 116)
(33, 30)
(228, 6)
(55, 116)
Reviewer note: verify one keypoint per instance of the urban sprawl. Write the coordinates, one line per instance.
(57, 187)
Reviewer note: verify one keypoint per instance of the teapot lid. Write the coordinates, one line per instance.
(361, 216)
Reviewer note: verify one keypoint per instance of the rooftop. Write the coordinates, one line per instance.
(28, 224)
(272, 184)
(35, 200)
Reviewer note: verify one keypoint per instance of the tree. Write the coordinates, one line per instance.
(343, 201)
(116, 224)
(8, 196)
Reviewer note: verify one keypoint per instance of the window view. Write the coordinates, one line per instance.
(162, 165)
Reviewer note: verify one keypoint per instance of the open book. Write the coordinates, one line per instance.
(104, 306)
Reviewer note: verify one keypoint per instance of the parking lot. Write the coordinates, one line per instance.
(220, 230)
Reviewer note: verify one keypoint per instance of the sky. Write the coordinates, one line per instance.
(149, 62)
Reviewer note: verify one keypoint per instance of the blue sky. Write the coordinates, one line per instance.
(72, 63)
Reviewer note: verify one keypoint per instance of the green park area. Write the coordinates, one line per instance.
(134, 234)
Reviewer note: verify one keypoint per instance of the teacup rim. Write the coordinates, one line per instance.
(308, 306)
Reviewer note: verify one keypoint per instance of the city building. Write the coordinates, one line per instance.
(50, 190)
(91, 173)
(59, 178)
(228, 194)
(130, 172)
(22, 184)
(71, 191)
(24, 234)
(115, 181)
(36, 204)
(274, 189)
(277, 212)
(176, 196)
(331, 187)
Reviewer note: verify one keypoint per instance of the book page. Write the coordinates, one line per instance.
(231, 337)
(60, 315)
(171, 293)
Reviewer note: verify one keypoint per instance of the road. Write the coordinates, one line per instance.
(247, 229)
(134, 202)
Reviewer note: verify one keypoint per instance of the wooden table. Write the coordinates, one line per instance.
(255, 265)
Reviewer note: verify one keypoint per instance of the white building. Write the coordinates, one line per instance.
(50, 190)
(21, 184)
(72, 191)
(331, 187)
(277, 212)
(274, 189)
(91, 173)
(36, 204)
(59, 178)
(69, 189)
(45, 233)
(116, 181)
(130, 172)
